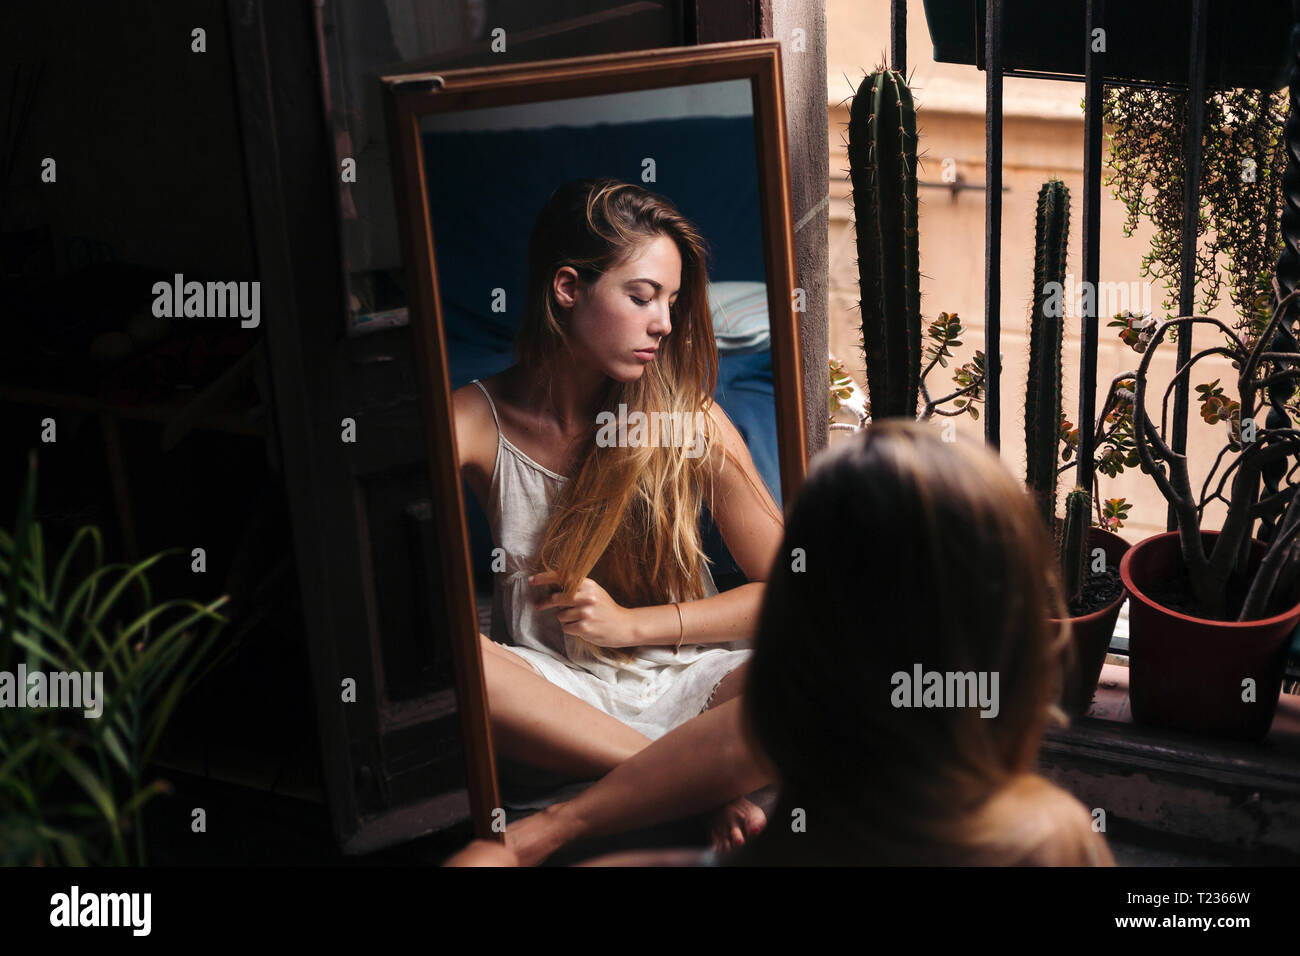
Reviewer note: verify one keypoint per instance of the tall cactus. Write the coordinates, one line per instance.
(1074, 542)
(1043, 390)
(882, 165)
(1046, 332)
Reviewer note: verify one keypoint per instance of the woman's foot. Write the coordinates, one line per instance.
(734, 823)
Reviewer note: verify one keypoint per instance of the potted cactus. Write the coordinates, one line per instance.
(1089, 556)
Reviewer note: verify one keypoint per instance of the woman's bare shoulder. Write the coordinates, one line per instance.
(1052, 827)
(475, 430)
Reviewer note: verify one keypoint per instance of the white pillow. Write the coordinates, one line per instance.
(740, 320)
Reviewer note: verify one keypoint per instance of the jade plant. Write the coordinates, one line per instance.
(882, 150)
(844, 393)
(1258, 475)
(1248, 211)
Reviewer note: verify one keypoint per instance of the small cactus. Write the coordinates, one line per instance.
(1074, 543)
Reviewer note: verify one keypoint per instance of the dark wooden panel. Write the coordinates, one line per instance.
(736, 20)
(391, 762)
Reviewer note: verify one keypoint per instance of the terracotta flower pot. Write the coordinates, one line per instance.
(1188, 673)
(1092, 632)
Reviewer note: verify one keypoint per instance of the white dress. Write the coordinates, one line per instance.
(654, 692)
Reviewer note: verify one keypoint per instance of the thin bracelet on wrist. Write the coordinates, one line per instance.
(681, 627)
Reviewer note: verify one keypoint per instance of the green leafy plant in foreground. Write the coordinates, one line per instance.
(72, 787)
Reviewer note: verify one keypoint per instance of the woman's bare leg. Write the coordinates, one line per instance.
(740, 818)
(699, 765)
(730, 686)
(538, 724)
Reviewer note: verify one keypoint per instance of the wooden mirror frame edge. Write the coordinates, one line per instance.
(408, 98)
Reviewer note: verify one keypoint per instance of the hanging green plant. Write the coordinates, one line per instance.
(1239, 223)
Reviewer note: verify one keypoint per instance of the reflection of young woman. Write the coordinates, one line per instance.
(918, 551)
(608, 630)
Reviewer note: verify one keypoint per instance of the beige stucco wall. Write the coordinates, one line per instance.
(1043, 137)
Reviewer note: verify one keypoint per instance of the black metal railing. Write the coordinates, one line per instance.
(1093, 80)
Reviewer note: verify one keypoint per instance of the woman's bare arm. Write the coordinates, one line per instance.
(475, 439)
(751, 525)
(483, 853)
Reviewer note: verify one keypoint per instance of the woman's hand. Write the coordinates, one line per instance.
(589, 613)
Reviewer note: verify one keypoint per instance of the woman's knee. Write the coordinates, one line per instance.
(494, 654)
(730, 687)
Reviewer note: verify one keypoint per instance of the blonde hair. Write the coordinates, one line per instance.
(918, 551)
(630, 516)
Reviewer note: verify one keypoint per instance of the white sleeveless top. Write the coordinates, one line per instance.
(655, 691)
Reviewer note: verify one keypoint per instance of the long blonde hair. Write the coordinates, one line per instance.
(918, 551)
(629, 518)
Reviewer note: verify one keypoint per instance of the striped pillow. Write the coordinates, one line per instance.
(740, 322)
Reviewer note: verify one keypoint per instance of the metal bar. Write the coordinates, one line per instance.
(1093, 85)
(898, 36)
(1191, 221)
(1288, 263)
(957, 186)
(1022, 74)
(993, 222)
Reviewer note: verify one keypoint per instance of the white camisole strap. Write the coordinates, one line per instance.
(504, 442)
(491, 404)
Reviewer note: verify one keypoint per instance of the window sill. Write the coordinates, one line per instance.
(1196, 790)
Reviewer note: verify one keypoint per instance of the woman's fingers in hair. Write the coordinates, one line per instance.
(556, 598)
(586, 594)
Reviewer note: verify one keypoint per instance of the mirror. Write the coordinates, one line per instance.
(479, 155)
